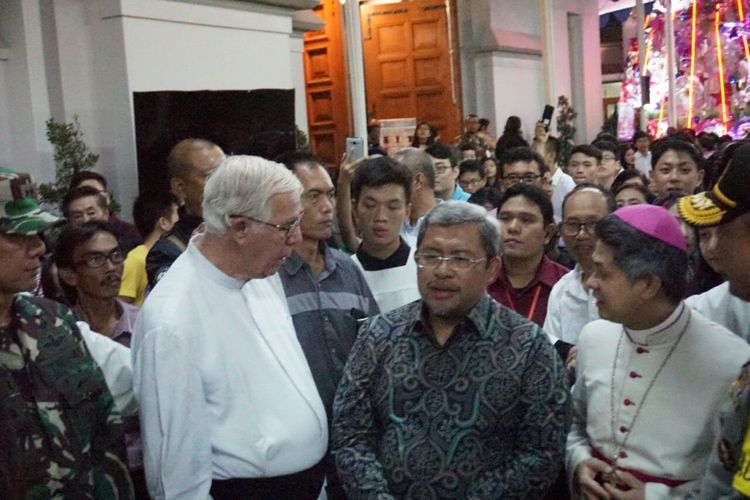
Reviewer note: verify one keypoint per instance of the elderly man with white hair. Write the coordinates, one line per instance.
(228, 405)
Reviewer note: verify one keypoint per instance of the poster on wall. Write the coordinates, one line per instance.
(255, 122)
(396, 133)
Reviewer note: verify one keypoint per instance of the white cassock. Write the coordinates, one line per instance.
(719, 305)
(668, 434)
(224, 388)
(393, 287)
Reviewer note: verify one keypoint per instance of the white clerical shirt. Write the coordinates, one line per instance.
(570, 307)
(223, 385)
(669, 434)
(719, 305)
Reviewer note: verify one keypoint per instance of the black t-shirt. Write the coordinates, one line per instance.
(396, 259)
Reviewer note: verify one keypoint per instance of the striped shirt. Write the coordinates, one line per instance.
(325, 311)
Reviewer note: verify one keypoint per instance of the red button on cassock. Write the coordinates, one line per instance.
(635, 375)
(623, 428)
(641, 350)
(623, 454)
(628, 402)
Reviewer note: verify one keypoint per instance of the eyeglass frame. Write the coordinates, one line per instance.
(287, 228)
(525, 178)
(108, 256)
(588, 226)
(451, 261)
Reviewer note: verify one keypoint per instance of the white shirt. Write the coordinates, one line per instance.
(673, 432)
(223, 385)
(570, 307)
(394, 287)
(643, 162)
(410, 233)
(719, 305)
(113, 359)
(562, 184)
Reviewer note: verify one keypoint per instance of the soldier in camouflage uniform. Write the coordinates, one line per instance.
(61, 434)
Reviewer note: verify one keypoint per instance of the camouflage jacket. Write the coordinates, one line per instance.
(61, 434)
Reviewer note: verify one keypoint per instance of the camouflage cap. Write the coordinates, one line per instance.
(19, 212)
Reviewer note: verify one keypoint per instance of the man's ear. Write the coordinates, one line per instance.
(493, 268)
(417, 181)
(651, 286)
(68, 276)
(177, 188)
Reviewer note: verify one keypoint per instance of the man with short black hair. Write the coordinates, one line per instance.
(189, 165)
(155, 214)
(526, 275)
(633, 435)
(84, 204)
(381, 190)
(642, 142)
(127, 232)
(677, 167)
(583, 163)
(520, 164)
(549, 147)
(445, 163)
(325, 290)
(471, 176)
(609, 167)
(452, 396)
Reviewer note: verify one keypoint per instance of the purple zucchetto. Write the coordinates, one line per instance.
(654, 221)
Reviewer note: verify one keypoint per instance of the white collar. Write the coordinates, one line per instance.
(665, 332)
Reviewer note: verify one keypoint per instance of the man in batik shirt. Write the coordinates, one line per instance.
(454, 395)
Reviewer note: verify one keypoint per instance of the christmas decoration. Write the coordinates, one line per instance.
(712, 69)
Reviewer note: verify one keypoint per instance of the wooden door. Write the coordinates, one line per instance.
(409, 68)
(326, 86)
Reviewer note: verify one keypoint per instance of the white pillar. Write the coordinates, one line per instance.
(355, 67)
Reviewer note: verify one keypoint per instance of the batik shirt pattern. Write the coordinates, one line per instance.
(483, 416)
(63, 435)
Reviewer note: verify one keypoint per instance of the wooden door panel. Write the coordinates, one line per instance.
(326, 86)
(408, 68)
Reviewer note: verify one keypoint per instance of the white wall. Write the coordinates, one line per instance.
(515, 58)
(87, 57)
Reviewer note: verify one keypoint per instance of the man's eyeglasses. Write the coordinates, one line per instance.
(470, 182)
(287, 228)
(96, 260)
(573, 228)
(431, 261)
(525, 178)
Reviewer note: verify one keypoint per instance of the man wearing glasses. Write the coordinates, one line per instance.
(445, 163)
(452, 396)
(90, 264)
(521, 164)
(228, 405)
(571, 304)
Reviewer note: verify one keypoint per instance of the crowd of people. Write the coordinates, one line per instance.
(477, 318)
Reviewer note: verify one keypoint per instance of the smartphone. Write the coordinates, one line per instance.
(547, 116)
(355, 148)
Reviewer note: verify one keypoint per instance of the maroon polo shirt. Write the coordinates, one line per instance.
(530, 301)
